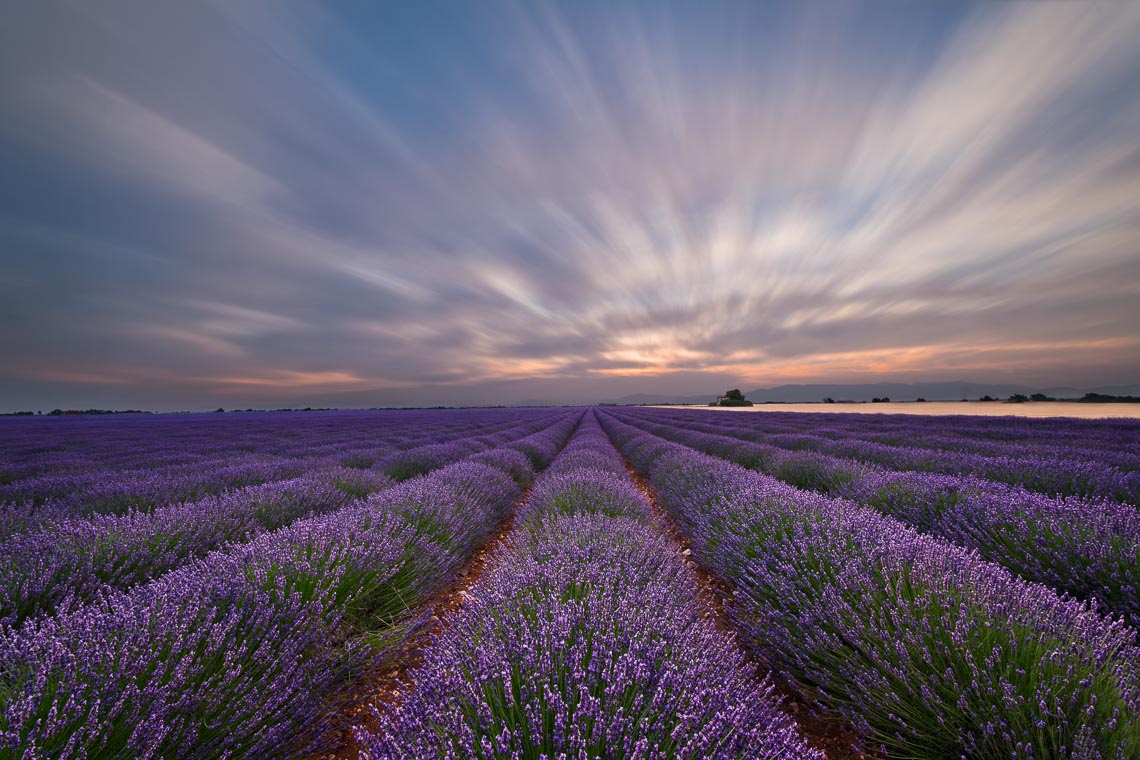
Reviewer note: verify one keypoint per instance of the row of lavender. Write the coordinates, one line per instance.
(585, 638)
(40, 446)
(1053, 470)
(925, 648)
(236, 653)
(1115, 441)
(1087, 548)
(52, 467)
(66, 561)
(31, 448)
(1118, 445)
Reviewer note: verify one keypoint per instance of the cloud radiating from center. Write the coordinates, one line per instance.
(282, 198)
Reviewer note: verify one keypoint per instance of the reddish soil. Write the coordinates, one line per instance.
(823, 732)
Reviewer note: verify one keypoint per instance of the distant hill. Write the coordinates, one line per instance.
(951, 391)
(942, 391)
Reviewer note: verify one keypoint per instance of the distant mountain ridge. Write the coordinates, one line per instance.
(937, 391)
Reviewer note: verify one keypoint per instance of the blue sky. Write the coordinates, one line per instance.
(246, 203)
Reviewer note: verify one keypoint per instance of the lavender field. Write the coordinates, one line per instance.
(569, 582)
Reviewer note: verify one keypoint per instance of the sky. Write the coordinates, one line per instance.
(357, 203)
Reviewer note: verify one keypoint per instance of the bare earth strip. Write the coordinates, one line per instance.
(970, 408)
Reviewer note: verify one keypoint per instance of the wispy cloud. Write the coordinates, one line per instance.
(293, 380)
(277, 198)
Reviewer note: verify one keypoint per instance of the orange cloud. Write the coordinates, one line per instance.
(292, 379)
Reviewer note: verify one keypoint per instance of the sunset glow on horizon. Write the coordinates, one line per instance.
(359, 204)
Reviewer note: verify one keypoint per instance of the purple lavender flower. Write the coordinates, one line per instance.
(233, 654)
(585, 638)
(923, 646)
(1084, 547)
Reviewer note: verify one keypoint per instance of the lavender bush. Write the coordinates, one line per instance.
(1087, 548)
(585, 639)
(929, 651)
(233, 654)
(1052, 469)
(70, 561)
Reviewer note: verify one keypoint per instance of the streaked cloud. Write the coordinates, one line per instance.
(288, 201)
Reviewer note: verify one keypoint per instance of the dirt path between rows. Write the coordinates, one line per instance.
(382, 687)
(821, 731)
